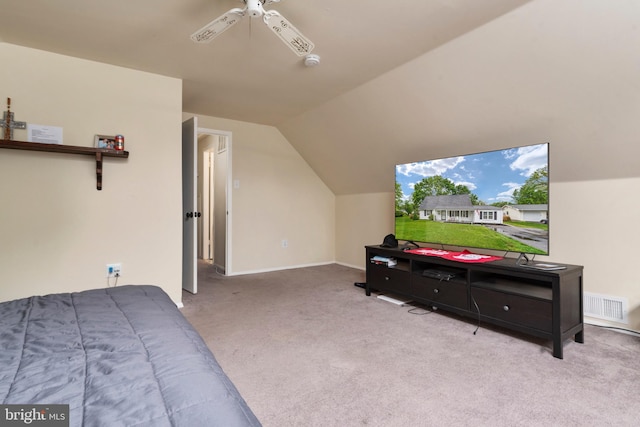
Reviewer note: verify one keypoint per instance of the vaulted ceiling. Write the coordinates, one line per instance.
(398, 81)
(247, 73)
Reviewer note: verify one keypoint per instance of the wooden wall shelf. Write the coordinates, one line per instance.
(98, 153)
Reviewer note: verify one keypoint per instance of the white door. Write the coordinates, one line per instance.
(189, 207)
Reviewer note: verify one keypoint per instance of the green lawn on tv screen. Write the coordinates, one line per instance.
(454, 234)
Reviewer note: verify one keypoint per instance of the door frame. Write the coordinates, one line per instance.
(228, 192)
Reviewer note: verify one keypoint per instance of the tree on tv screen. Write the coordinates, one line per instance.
(535, 190)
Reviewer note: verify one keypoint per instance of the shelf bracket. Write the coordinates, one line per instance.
(99, 171)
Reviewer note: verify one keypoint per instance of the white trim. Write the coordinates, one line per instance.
(613, 326)
(290, 267)
(357, 267)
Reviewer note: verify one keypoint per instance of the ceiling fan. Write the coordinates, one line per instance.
(273, 19)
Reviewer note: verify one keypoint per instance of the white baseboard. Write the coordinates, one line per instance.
(611, 325)
(357, 267)
(288, 267)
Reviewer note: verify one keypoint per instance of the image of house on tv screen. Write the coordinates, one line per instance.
(496, 200)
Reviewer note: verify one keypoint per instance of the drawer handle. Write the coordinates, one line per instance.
(436, 290)
(505, 308)
(387, 278)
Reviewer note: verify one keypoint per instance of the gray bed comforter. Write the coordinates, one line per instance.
(121, 356)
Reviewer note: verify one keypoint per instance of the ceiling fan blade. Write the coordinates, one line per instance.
(218, 26)
(288, 33)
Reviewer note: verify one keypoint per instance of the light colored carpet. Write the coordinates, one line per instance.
(305, 347)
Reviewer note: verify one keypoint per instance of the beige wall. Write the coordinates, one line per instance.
(361, 219)
(559, 72)
(57, 232)
(278, 197)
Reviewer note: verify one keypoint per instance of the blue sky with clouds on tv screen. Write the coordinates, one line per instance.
(492, 176)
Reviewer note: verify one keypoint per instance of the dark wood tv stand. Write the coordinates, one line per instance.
(546, 304)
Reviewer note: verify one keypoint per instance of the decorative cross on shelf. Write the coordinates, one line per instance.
(9, 124)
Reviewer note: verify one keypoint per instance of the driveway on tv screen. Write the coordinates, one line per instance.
(533, 237)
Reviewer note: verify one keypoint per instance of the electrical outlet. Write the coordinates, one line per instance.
(285, 243)
(114, 270)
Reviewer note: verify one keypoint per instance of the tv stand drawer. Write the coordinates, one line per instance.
(518, 310)
(452, 292)
(388, 279)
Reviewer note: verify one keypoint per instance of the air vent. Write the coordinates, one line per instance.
(606, 307)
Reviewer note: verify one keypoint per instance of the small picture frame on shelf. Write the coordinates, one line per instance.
(107, 142)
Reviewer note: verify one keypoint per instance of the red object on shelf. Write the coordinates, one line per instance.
(464, 256)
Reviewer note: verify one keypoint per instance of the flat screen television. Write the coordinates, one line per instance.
(497, 200)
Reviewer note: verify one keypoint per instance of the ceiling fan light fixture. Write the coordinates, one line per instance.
(254, 8)
(311, 60)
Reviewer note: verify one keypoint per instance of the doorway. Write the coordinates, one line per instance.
(212, 197)
(213, 230)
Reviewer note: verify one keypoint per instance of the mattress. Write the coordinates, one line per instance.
(122, 356)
